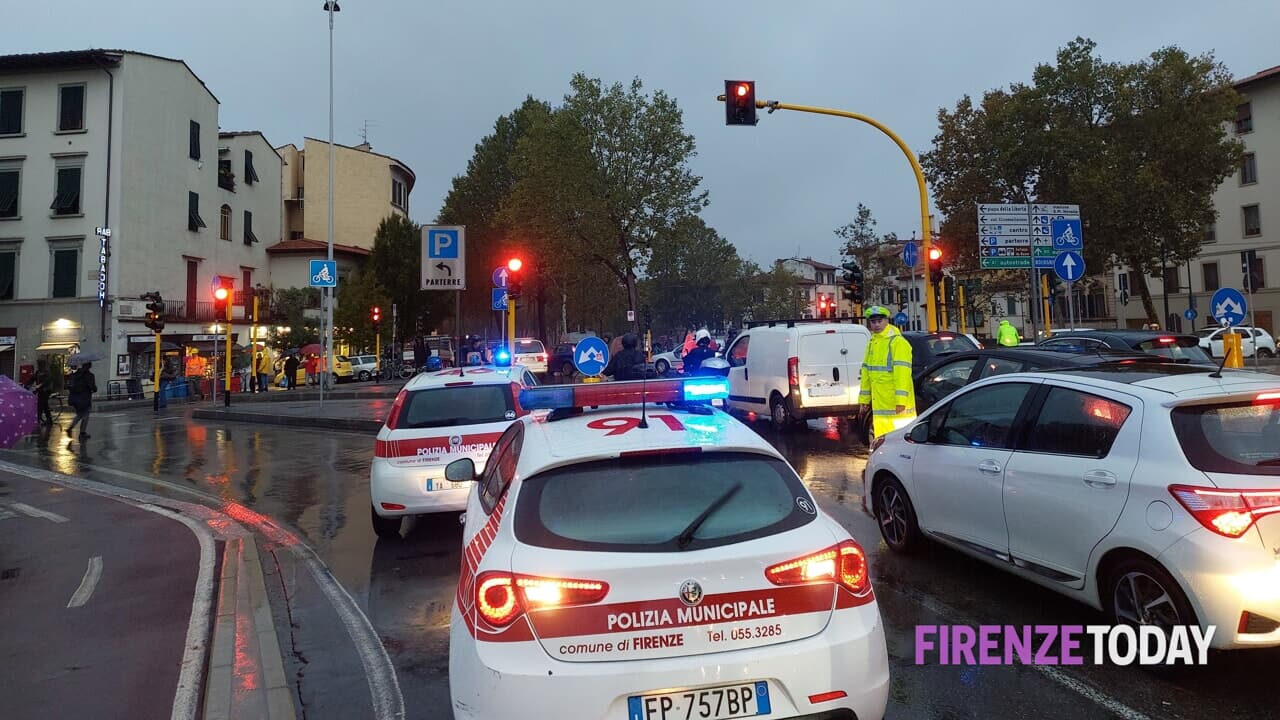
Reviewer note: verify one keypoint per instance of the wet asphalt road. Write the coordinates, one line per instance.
(316, 483)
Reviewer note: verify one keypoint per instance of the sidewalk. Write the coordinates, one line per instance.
(345, 391)
(358, 415)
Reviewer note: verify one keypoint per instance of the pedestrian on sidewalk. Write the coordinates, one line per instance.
(291, 372)
(42, 386)
(264, 369)
(80, 390)
(310, 366)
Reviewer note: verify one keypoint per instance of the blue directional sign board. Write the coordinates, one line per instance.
(590, 355)
(444, 257)
(1066, 234)
(324, 273)
(900, 319)
(1069, 266)
(910, 254)
(500, 276)
(1228, 306)
(1190, 314)
(499, 298)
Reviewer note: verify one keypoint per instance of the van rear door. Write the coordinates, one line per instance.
(824, 369)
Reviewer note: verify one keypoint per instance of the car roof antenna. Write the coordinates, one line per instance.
(1217, 374)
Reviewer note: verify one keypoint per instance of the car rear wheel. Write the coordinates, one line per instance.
(662, 366)
(1265, 353)
(896, 517)
(566, 370)
(364, 376)
(1138, 591)
(780, 415)
(385, 527)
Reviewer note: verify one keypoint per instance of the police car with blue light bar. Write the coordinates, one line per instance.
(632, 553)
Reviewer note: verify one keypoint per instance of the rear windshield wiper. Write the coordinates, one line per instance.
(1268, 462)
(686, 536)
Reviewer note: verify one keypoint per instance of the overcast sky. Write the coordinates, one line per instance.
(431, 76)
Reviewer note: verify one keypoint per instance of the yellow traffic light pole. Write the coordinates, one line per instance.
(226, 394)
(926, 240)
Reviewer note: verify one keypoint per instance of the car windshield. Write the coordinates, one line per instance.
(948, 343)
(526, 347)
(643, 504)
(1178, 349)
(468, 405)
(1239, 438)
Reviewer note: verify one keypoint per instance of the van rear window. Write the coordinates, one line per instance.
(1238, 438)
(529, 347)
(643, 504)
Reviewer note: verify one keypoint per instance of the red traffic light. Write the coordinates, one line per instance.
(935, 253)
(221, 293)
(743, 89)
(377, 314)
(514, 264)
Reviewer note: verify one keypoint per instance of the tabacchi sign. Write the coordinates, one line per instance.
(104, 252)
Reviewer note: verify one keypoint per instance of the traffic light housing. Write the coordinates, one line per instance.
(155, 311)
(515, 278)
(376, 316)
(740, 102)
(222, 298)
(853, 280)
(935, 264)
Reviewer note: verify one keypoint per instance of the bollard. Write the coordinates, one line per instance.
(1233, 348)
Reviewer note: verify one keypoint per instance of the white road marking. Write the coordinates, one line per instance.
(91, 576)
(38, 513)
(187, 698)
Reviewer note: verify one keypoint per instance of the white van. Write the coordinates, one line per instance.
(792, 371)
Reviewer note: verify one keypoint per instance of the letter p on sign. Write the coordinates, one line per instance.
(443, 244)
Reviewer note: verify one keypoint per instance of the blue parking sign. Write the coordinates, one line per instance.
(442, 244)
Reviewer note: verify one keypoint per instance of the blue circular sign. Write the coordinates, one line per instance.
(590, 355)
(910, 254)
(499, 276)
(1228, 306)
(1190, 314)
(1069, 265)
(900, 319)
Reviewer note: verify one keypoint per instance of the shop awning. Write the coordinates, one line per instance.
(5, 347)
(56, 346)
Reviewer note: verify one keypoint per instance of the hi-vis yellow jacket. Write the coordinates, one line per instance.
(886, 381)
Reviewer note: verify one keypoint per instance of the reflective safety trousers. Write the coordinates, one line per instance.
(886, 381)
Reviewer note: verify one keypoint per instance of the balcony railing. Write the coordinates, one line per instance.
(202, 312)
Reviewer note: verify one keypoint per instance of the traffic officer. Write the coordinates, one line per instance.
(886, 375)
(1007, 334)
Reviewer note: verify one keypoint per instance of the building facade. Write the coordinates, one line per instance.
(367, 188)
(819, 293)
(114, 141)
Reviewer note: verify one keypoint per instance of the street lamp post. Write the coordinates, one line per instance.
(331, 7)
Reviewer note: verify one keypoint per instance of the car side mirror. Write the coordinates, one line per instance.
(463, 470)
(919, 434)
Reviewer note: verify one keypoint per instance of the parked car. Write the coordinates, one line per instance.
(1180, 348)
(561, 360)
(956, 371)
(364, 366)
(928, 347)
(1211, 340)
(1146, 491)
(530, 353)
(791, 371)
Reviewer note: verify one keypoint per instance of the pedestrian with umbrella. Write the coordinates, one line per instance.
(80, 389)
(42, 385)
(17, 412)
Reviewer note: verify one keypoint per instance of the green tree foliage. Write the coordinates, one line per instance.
(602, 180)
(291, 305)
(1139, 146)
(396, 241)
(352, 318)
(693, 278)
(877, 255)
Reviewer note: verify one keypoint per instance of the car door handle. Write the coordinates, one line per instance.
(1099, 479)
(990, 467)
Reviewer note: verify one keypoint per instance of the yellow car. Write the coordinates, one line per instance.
(342, 368)
(301, 376)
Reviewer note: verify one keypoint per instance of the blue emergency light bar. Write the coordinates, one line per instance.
(501, 357)
(631, 392)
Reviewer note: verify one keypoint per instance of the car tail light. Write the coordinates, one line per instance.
(501, 597)
(844, 564)
(946, 337)
(1227, 512)
(393, 417)
(542, 358)
(1267, 397)
(515, 399)
(793, 373)
(1166, 340)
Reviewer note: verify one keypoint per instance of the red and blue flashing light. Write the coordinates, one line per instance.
(632, 392)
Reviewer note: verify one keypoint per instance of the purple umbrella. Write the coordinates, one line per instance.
(17, 412)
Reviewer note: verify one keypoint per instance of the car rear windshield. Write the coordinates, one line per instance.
(467, 405)
(645, 503)
(1185, 350)
(939, 344)
(527, 347)
(1239, 438)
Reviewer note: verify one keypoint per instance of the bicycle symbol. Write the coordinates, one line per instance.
(323, 276)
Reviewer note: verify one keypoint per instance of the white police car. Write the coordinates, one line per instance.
(655, 564)
(437, 418)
